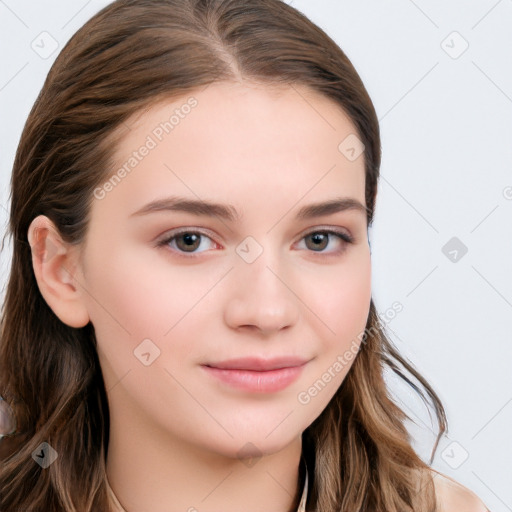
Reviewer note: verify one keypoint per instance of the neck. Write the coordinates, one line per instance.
(150, 469)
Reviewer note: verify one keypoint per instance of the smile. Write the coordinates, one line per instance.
(257, 380)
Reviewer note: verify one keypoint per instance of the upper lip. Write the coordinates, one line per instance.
(258, 364)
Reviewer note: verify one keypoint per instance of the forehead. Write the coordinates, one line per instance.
(240, 113)
(231, 138)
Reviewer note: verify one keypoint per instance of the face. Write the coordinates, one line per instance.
(229, 311)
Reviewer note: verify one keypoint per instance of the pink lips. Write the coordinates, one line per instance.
(258, 375)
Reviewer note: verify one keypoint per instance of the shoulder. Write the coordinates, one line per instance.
(454, 497)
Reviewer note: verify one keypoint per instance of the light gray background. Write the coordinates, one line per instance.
(446, 121)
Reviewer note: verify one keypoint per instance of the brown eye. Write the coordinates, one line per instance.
(187, 242)
(190, 241)
(319, 241)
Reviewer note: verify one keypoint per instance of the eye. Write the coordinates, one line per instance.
(318, 240)
(186, 241)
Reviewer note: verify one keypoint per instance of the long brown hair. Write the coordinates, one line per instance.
(128, 56)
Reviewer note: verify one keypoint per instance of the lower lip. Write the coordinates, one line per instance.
(257, 381)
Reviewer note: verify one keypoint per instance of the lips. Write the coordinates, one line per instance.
(257, 364)
(257, 375)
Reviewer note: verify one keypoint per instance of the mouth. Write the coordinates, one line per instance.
(257, 375)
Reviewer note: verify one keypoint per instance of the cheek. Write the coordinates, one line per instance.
(343, 300)
(343, 303)
(130, 300)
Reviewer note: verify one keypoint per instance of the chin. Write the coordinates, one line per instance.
(252, 444)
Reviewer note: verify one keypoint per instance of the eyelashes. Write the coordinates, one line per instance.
(327, 234)
(190, 236)
(192, 239)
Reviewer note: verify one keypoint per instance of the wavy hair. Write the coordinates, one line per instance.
(127, 57)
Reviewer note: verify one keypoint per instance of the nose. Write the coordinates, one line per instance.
(263, 298)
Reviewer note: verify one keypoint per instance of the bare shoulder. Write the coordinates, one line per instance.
(455, 497)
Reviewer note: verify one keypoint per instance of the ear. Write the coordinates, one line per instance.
(58, 272)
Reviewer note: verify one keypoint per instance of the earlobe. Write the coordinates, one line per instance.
(55, 266)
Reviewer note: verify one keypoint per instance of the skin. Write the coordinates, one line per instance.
(176, 433)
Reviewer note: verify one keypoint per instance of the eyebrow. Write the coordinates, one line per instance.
(229, 212)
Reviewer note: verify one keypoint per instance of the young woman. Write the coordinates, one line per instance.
(188, 323)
